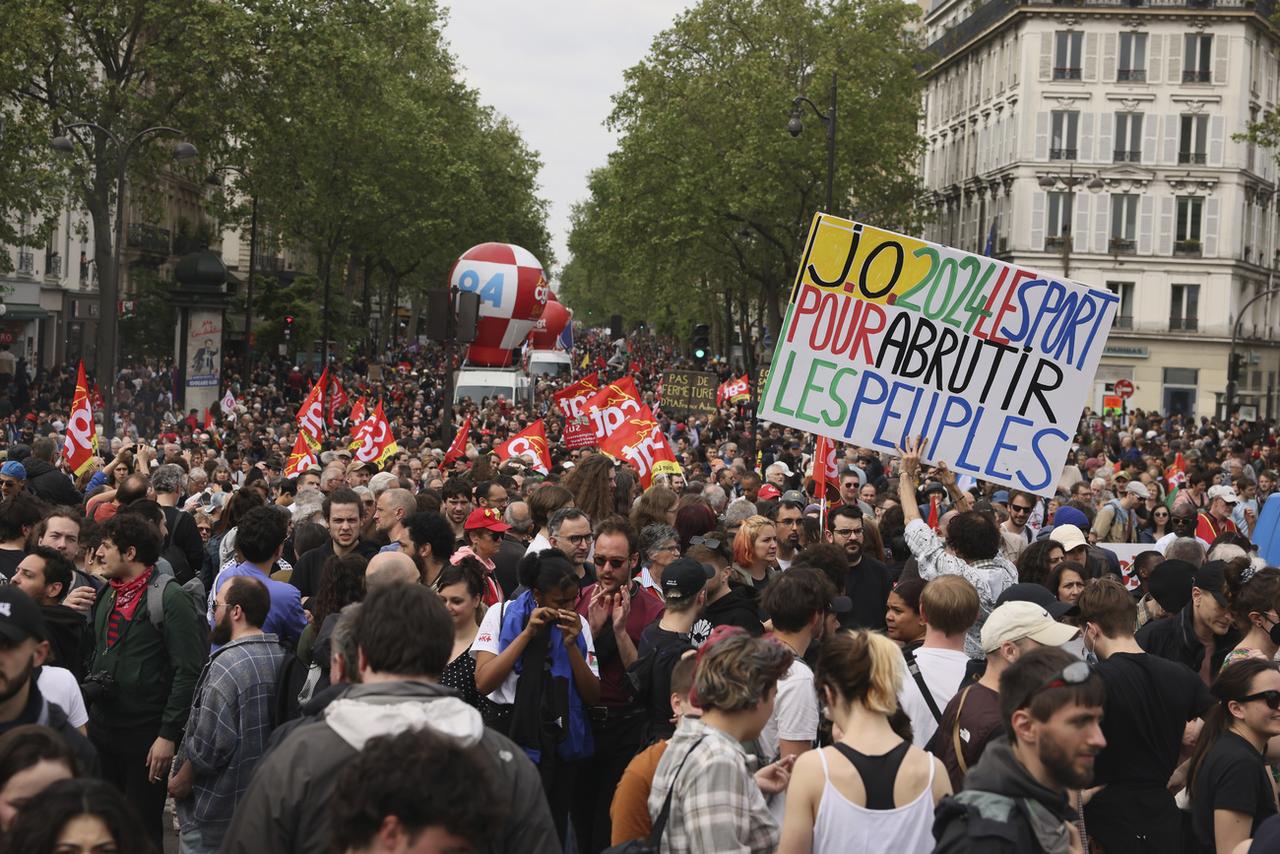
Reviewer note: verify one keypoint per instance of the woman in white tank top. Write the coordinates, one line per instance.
(873, 791)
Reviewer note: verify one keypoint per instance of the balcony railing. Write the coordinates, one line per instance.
(1123, 321)
(1066, 73)
(1186, 247)
(1196, 75)
(151, 239)
(1183, 324)
(268, 263)
(1127, 156)
(1133, 75)
(26, 261)
(1121, 246)
(1191, 157)
(1062, 154)
(1055, 243)
(53, 266)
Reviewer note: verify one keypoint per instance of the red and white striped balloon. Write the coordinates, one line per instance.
(513, 292)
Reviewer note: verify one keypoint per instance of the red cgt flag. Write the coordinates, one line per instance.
(310, 417)
(826, 474)
(458, 448)
(638, 441)
(572, 398)
(355, 418)
(1175, 474)
(337, 398)
(734, 391)
(530, 442)
(82, 434)
(300, 458)
(612, 405)
(373, 442)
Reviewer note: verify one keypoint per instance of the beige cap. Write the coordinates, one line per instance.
(1014, 621)
(1068, 536)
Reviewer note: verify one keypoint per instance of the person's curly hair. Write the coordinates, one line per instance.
(591, 483)
(738, 671)
(424, 780)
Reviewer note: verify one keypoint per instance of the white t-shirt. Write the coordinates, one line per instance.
(943, 670)
(795, 712)
(487, 641)
(59, 686)
(538, 544)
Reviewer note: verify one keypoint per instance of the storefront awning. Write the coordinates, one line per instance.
(23, 311)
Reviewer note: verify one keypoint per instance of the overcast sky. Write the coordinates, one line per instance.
(551, 67)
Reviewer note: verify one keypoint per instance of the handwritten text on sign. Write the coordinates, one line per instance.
(888, 336)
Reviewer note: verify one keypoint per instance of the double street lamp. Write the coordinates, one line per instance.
(1093, 183)
(109, 284)
(795, 126)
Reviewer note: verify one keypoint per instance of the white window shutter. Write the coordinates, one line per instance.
(1221, 46)
(1085, 139)
(1209, 228)
(1146, 223)
(1173, 60)
(1164, 235)
(1150, 131)
(1106, 131)
(1172, 125)
(1080, 228)
(1101, 221)
(1217, 133)
(1046, 56)
(1155, 62)
(1042, 135)
(1037, 220)
(1108, 57)
(1090, 57)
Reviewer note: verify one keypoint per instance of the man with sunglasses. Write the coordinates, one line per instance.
(1182, 523)
(1020, 791)
(618, 612)
(1116, 521)
(1149, 703)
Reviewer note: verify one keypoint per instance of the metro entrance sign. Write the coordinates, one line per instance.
(1124, 388)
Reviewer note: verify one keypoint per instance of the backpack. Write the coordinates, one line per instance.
(292, 680)
(193, 588)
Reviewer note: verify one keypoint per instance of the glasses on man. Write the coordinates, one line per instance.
(615, 562)
(576, 539)
(707, 542)
(1018, 510)
(847, 533)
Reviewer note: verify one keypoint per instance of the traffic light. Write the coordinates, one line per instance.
(701, 342)
(288, 326)
(1235, 367)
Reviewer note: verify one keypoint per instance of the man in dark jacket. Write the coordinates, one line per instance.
(183, 546)
(1015, 798)
(1204, 621)
(137, 723)
(727, 605)
(45, 575)
(45, 480)
(404, 637)
(24, 646)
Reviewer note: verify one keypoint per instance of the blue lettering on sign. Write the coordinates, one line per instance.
(491, 292)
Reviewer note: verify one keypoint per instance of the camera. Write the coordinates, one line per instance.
(97, 686)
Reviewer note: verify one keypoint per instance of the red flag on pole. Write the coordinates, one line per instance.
(530, 442)
(458, 449)
(300, 458)
(933, 511)
(373, 442)
(82, 434)
(355, 418)
(310, 414)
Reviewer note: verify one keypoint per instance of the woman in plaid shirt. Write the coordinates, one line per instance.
(718, 805)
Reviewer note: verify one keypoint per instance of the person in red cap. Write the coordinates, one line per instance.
(484, 529)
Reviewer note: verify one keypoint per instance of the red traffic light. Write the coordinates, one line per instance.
(288, 320)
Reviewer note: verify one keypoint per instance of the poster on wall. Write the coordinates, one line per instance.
(204, 348)
(888, 336)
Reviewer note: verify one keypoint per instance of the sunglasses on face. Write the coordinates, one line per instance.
(1075, 673)
(709, 542)
(615, 562)
(1271, 698)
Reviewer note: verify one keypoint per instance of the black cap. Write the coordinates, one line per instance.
(1040, 595)
(1211, 578)
(20, 616)
(684, 577)
(1170, 584)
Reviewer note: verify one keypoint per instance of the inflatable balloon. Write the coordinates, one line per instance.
(513, 292)
(555, 317)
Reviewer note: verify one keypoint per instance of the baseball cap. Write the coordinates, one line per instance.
(20, 616)
(1014, 621)
(1039, 595)
(796, 496)
(684, 577)
(1071, 516)
(1170, 584)
(1211, 578)
(841, 605)
(14, 469)
(767, 492)
(1226, 493)
(1139, 489)
(1068, 536)
(782, 467)
(486, 519)
(1001, 496)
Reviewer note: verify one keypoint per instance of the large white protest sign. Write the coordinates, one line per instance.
(887, 336)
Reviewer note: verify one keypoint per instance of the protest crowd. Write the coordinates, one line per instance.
(220, 634)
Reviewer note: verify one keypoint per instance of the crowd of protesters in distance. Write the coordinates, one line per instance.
(482, 656)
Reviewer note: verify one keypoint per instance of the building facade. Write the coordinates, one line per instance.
(1100, 140)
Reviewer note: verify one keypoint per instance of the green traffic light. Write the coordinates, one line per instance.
(700, 353)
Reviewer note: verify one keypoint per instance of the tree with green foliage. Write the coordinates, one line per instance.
(707, 200)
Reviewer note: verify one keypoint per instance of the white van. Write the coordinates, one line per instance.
(553, 363)
(479, 383)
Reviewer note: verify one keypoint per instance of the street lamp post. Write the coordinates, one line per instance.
(109, 285)
(253, 257)
(1070, 181)
(1232, 381)
(795, 127)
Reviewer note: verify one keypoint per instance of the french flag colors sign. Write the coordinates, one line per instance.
(887, 336)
